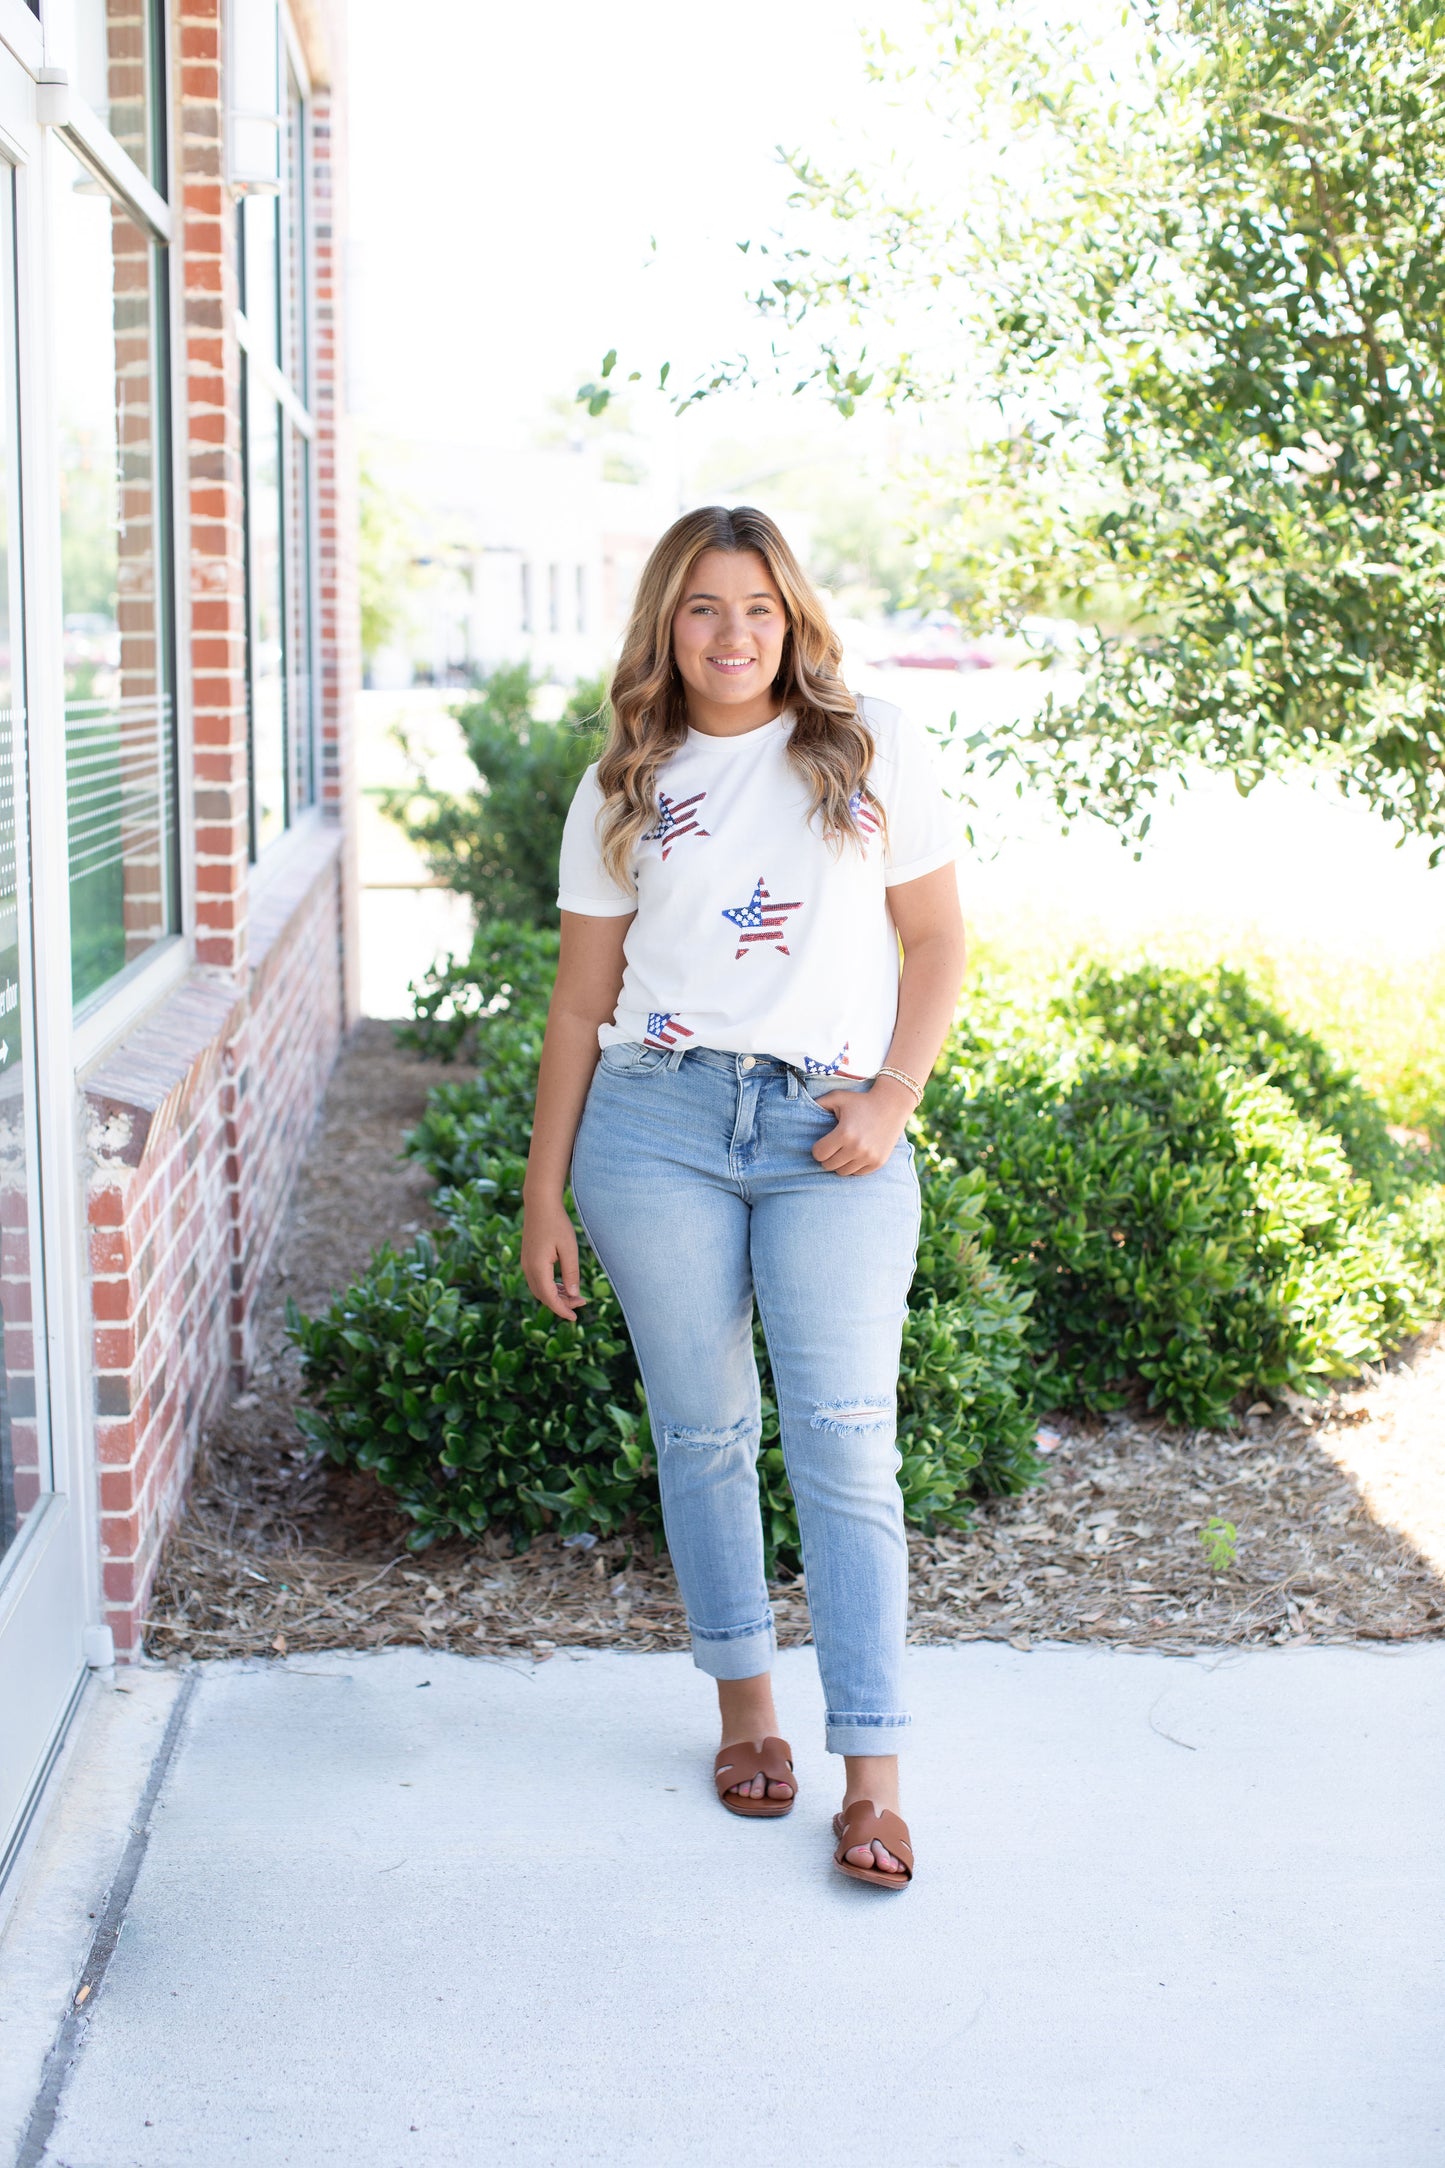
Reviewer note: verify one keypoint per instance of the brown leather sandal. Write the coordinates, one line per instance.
(749, 1758)
(859, 1824)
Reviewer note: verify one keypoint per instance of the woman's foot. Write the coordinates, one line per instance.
(875, 1777)
(746, 1709)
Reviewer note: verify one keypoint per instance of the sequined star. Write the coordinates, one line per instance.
(826, 1068)
(663, 1029)
(761, 920)
(676, 818)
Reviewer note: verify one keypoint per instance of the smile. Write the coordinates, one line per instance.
(731, 662)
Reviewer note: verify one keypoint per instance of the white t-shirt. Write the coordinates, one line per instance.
(754, 934)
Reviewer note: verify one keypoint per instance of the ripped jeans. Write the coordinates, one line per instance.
(694, 1178)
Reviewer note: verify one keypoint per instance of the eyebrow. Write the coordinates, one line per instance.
(759, 595)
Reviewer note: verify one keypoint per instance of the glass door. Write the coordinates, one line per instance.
(43, 1592)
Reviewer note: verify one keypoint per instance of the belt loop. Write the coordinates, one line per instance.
(792, 1081)
(674, 1059)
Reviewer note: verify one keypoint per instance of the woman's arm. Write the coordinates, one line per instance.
(930, 926)
(589, 979)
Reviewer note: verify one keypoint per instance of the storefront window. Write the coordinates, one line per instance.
(296, 560)
(267, 621)
(24, 1470)
(294, 245)
(119, 720)
(278, 490)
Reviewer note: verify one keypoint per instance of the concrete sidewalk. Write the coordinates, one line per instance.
(410, 1910)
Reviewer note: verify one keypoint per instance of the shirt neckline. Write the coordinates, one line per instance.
(703, 741)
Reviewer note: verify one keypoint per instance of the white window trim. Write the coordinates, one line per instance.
(115, 1009)
(58, 107)
(273, 857)
(22, 35)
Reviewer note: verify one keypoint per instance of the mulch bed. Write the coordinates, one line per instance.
(279, 1552)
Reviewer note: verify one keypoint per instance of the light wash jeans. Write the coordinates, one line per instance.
(695, 1181)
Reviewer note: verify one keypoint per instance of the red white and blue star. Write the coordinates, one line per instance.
(663, 1029)
(826, 1068)
(761, 921)
(676, 818)
(866, 817)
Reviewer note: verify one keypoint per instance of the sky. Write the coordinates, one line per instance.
(512, 168)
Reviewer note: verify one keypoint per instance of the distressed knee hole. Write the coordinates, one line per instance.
(707, 1441)
(853, 1415)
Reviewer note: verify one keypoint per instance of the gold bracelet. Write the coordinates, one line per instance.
(901, 1076)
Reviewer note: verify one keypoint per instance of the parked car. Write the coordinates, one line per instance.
(936, 644)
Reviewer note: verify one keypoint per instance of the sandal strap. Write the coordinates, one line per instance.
(863, 1821)
(749, 1758)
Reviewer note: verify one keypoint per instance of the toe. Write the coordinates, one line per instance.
(884, 1859)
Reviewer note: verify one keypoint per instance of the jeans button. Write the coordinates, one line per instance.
(750, 1061)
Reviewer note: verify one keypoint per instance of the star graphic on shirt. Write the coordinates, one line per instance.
(826, 1068)
(866, 817)
(761, 920)
(663, 1029)
(676, 818)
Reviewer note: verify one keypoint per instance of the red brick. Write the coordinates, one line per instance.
(200, 40)
(111, 1300)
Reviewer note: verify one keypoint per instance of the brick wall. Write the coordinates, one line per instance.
(195, 1129)
(160, 1254)
(195, 1125)
(277, 1066)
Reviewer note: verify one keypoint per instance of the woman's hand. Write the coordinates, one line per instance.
(869, 1126)
(549, 1257)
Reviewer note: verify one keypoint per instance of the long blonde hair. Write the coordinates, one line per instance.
(830, 745)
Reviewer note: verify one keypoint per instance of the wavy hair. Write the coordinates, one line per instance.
(830, 745)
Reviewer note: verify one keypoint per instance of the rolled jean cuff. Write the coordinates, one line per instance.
(866, 1734)
(737, 1652)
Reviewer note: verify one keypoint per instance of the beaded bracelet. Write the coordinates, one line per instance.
(901, 1076)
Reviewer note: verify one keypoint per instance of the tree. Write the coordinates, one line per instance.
(498, 842)
(1191, 279)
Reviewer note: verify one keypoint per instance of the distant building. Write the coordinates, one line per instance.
(521, 555)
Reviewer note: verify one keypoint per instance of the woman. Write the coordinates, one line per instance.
(737, 872)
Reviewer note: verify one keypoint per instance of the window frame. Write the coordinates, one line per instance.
(265, 859)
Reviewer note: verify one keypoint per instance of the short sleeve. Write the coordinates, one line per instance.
(923, 821)
(584, 883)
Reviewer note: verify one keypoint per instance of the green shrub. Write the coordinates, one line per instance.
(1162, 1011)
(1100, 1217)
(440, 1374)
(498, 843)
(507, 976)
(1180, 1226)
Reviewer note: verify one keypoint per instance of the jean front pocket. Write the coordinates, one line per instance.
(816, 1088)
(630, 1058)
